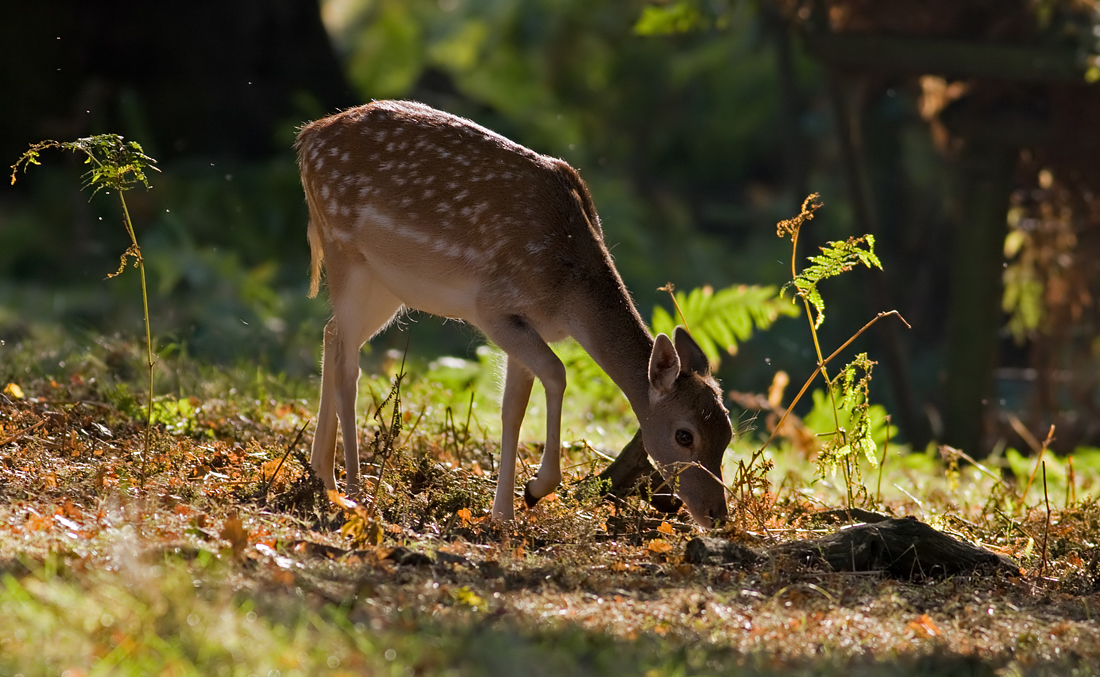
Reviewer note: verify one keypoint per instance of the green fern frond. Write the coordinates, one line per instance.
(857, 432)
(835, 258)
(720, 320)
(115, 163)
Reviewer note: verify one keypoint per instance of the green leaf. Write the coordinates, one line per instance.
(677, 17)
(721, 320)
(835, 258)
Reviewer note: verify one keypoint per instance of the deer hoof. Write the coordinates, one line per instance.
(529, 499)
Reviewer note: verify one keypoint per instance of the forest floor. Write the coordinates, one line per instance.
(213, 555)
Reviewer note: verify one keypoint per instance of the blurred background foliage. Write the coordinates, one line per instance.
(960, 133)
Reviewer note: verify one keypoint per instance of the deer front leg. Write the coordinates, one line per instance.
(549, 475)
(517, 392)
(524, 346)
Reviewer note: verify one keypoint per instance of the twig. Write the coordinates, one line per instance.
(1071, 483)
(22, 433)
(290, 447)
(466, 429)
(670, 288)
(826, 361)
(944, 449)
(1035, 446)
(882, 464)
(393, 432)
(415, 425)
(1046, 527)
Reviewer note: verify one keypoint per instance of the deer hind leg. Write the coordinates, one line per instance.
(517, 392)
(524, 346)
(361, 308)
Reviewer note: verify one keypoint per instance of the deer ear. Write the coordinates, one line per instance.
(664, 365)
(692, 357)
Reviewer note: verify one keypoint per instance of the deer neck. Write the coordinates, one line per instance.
(612, 332)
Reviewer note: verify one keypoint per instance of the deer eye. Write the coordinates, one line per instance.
(684, 438)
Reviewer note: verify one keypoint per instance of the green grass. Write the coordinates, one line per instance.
(198, 575)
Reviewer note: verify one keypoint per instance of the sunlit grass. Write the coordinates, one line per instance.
(199, 575)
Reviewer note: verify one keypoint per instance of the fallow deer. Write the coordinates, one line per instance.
(412, 208)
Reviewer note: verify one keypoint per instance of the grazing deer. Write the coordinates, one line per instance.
(412, 208)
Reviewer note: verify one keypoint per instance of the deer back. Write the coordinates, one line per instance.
(450, 216)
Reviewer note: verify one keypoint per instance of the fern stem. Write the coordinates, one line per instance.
(817, 343)
(806, 385)
(148, 333)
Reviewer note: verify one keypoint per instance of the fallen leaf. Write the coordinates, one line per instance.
(659, 546)
(924, 626)
(233, 531)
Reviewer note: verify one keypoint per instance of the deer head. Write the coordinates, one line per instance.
(687, 429)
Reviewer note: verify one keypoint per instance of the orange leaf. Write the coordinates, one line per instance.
(665, 528)
(924, 626)
(233, 531)
(465, 514)
(659, 545)
(341, 500)
(13, 391)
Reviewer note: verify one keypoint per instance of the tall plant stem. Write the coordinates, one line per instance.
(810, 380)
(821, 366)
(148, 334)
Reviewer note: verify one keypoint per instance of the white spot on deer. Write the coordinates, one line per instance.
(325, 192)
(333, 151)
(419, 236)
(317, 165)
(365, 191)
(535, 248)
(369, 215)
(429, 193)
(399, 180)
(345, 157)
(453, 251)
(461, 195)
(380, 135)
(390, 146)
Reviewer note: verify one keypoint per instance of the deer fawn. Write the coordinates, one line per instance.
(415, 209)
